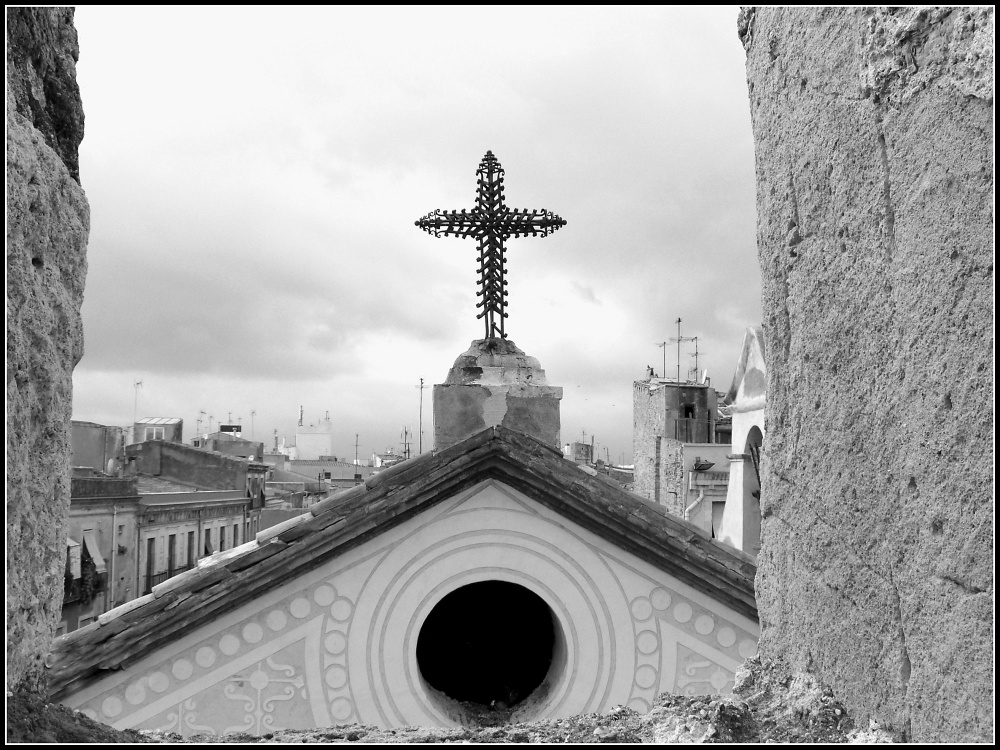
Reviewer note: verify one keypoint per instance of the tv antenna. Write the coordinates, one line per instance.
(135, 406)
(679, 339)
(420, 431)
(695, 355)
(663, 346)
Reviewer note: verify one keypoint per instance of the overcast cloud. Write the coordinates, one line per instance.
(254, 176)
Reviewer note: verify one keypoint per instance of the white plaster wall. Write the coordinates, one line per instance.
(338, 644)
(734, 516)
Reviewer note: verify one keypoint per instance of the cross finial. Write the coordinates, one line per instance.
(491, 222)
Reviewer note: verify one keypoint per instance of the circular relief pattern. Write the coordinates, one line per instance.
(647, 642)
(747, 648)
(726, 637)
(252, 632)
(158, 682)
(660, 598)
(341, 709)
(111, 706)
(645, 676)
(335, 643)
(641, 608)
(276, 619)
(299, 608)
(336, 677)
(205, 657)
(683, 612)
(229, 644)
(135, 693)
(341, 610)
(90, 713)
(324, 595)
(704, 624)
(258, 680)
(182, 669)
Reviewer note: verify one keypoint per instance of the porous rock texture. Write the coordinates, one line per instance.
(874, 151)
(48, 222)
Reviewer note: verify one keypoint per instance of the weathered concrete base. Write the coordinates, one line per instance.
(495, 383)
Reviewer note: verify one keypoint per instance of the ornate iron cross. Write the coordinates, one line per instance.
(491, 222)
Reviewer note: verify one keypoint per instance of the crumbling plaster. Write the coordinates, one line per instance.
(495, 383)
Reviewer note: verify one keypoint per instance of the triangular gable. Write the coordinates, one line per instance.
(750, 380)
(332, 528)
(326, 646)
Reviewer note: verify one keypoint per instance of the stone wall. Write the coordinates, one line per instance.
(874, 149)
(648, 414)
(48, 221)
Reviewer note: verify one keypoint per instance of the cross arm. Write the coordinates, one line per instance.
(522, 222)
(459, 223)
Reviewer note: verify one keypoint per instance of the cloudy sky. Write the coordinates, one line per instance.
(254, 175)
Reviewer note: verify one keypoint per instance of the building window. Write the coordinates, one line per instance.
(171, 555)
(208, 542)
(236, 535)
(222, 538)
(190, 550)
(150, 564)
(154, 433)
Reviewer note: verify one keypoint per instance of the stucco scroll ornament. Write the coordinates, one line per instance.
(259, 707)
(183, 719)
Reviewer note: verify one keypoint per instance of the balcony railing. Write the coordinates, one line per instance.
(75, 590)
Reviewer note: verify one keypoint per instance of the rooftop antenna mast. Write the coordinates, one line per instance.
(663, 346)
(135, 406)
(406, 442)
(420, 431)
(679, 339)
(301, 413)
(697, 372)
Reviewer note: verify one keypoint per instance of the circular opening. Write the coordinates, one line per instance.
(492, 643)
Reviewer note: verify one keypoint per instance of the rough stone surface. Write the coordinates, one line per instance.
(874, 148)
(495, 383)
(48, 221)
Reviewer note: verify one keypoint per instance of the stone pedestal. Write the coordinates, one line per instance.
(495, 383)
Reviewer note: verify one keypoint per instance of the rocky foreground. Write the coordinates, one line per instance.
(765, 707)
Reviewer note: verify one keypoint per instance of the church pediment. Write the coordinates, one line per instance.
(319, 621)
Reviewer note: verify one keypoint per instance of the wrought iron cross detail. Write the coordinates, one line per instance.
(491, 222)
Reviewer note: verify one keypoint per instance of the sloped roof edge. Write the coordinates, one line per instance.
(231, 578)
(751, 335)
